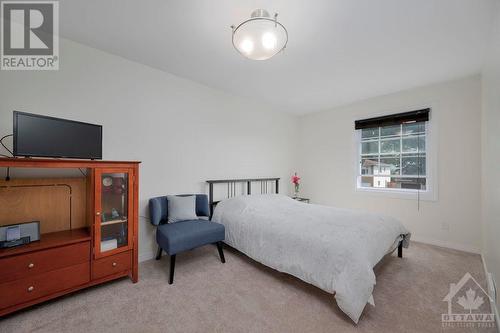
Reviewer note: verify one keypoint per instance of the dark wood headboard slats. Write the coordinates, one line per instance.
(241, 180)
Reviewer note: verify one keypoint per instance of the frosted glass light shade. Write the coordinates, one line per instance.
(260, 37)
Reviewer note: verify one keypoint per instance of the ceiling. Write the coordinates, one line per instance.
(339, 51)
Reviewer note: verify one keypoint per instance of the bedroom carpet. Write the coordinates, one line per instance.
(244, 296)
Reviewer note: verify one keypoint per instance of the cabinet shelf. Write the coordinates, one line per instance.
(50, 240)
(114, 222)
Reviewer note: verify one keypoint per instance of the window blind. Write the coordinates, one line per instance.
(394, 119)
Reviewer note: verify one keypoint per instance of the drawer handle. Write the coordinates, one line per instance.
(31, 265)
(114, 264)
(31, 288)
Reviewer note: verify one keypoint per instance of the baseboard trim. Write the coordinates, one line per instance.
(449, 245)
(490, 287)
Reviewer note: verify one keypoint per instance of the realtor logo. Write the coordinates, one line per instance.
(29, 32)
(468, 305)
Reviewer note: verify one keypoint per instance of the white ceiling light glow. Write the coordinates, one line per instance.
(269, 41)
(261, 37)
(246, 46)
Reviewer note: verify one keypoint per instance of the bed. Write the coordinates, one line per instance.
(330, 248)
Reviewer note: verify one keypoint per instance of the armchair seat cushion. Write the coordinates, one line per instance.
(187, 235)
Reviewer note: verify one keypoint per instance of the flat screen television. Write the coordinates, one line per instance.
(42, 136)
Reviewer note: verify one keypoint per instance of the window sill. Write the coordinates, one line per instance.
(398, 193)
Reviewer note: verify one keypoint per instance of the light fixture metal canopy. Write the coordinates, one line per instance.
(260, 37)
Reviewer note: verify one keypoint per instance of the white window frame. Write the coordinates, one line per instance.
(430, 193)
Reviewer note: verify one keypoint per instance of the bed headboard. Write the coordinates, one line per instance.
(237, 187)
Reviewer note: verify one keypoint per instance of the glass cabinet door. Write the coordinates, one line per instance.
(113, 205)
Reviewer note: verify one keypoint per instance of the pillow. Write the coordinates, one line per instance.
(181, 208)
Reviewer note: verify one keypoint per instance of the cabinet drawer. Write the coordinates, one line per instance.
(34, 263)
(111, 265)
(30, 288)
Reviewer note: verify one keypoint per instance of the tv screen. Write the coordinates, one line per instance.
(42, 136)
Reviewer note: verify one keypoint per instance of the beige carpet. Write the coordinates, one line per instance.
(243, 296)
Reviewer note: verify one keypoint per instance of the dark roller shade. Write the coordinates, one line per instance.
(393, 119)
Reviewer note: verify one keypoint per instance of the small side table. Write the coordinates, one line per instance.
(304, 200)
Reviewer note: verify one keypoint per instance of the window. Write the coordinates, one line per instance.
(393, 153)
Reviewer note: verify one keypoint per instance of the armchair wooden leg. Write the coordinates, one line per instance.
(221, 252)
(400, 249)
(158, 253)
(172, 268)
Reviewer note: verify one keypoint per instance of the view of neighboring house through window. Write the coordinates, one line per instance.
(393, 157)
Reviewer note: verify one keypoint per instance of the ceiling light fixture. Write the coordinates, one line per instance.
(260, 37)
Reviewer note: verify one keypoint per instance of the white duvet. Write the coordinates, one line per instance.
(330, 248)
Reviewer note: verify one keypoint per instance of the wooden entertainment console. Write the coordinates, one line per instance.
(89, 229)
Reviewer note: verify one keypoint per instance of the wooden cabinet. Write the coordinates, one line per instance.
(99, 246)
(112, 265)
(114, 199)
(34, 263)
(30, 288)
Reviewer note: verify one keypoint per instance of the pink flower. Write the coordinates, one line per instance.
(295, 179)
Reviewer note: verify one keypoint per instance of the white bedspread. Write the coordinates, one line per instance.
(330, 248)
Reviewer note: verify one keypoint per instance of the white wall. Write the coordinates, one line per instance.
(183, 132)
(328, 162)
(491, 154)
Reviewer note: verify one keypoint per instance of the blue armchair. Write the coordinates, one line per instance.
(185, 235)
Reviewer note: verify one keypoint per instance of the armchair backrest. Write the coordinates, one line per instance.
(158, 208)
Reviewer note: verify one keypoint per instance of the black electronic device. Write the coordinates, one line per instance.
(19, 234)
(16, 242)
(42, 136)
